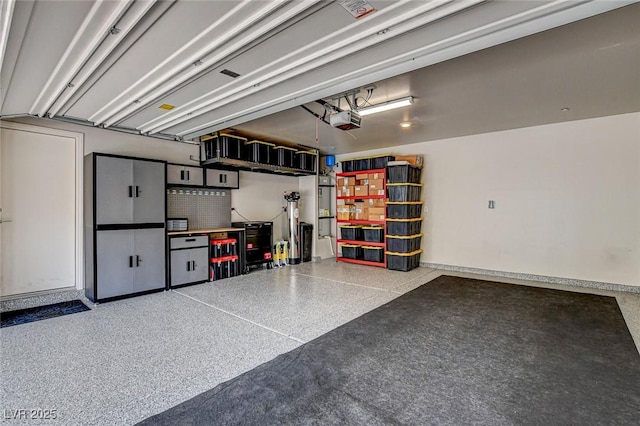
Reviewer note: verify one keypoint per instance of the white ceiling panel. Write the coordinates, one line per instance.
(41, 48)
(434, 37)
(125, 59)
(178, 26)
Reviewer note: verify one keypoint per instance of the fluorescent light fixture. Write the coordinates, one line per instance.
(386, 106)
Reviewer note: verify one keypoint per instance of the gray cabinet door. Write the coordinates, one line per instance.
(200, 259)
(114, 190)
(114, 269)
(180, 268)
(149, 192)
(149, 259)
(222, 178)
(185, 175)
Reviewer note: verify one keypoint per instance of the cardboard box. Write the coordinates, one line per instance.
(376, 184)
(362, 213)
(377, 211)
(375, 202)
(346, 212)
(361, 190)
(377, 192)
(346, 191)
(376, 217)
(346, 181)
(416, 160)
(362, 176)
(376, 176)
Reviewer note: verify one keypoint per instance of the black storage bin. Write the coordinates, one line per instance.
(381, 162)
(404, 244)
(404, 209)
(224, 247)
(210, 144)
(306, 160)
(231, 146)
(404, 226)
(224, 267)
(403, 261)
(373, 234)
(351, 251)
(351, 232)
(373, 254)
(222, 145)
(404, 191)
(348, 166)
(286, 156)
(258, 151)
(363, 164)
(405, 173)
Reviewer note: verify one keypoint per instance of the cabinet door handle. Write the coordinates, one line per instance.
(130, 191)
(182, 175)
(138, 261)
(193, 265)
(138, 191)
(190, 240)
(188, 175)
(188, 266)
(225, 178)
(130, 261)
(221, 178)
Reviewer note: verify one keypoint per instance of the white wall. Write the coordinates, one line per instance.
(567, 199)
(112, 142)
(261, 197)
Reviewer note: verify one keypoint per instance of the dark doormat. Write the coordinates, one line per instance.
(454, 351)
(23, 316)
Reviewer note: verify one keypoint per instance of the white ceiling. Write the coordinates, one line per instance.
(114, 63)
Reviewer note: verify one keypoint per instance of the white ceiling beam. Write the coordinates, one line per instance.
(209, 59)
(133, 96)
(344, 46)
(131, 17)
(6, 13)
(544, 17)
(305, 54)
(72, 60)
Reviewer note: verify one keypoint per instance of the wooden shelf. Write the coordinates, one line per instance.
(362, 262)
(362, 243)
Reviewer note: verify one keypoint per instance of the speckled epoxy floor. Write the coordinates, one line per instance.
(124, 361)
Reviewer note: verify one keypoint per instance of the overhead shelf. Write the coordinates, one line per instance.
(233, 164)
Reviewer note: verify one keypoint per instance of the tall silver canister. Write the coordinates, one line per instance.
(293, 216)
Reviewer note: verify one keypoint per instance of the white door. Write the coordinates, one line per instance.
(38, 198)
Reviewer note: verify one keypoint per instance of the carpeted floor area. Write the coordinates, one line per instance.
(454, 351)
(27, 315)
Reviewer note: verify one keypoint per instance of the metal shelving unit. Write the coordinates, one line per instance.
(383, 223)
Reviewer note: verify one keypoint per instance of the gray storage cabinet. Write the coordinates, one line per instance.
(178, 174)
(189, 259)
(222, 178)
(124, 218)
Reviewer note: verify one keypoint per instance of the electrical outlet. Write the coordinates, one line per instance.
(492, 204)
(425, 209)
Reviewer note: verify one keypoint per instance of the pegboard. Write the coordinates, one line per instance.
(205, 208)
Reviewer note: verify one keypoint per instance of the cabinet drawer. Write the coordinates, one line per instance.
(186, 242)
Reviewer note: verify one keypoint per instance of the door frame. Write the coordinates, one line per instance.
(79, 174)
